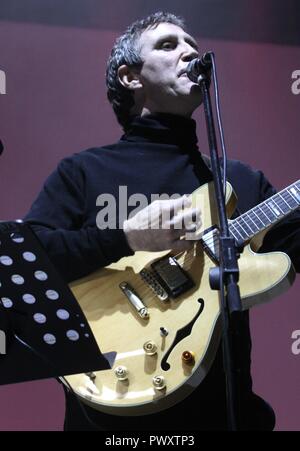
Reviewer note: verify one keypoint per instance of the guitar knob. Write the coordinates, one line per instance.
(150, 347)
(159, 382)
(121, 372)
(188, 357)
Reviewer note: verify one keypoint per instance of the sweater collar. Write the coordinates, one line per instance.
(163, 128)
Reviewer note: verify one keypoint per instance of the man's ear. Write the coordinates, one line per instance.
(129, 78)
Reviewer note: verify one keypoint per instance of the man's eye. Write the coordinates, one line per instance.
(168, 45)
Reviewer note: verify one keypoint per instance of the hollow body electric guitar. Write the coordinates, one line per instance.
(158, 314)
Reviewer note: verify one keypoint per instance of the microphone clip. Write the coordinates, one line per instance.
(198, 69)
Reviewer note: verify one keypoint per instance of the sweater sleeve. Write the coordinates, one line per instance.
(57, 217)
(284, 236)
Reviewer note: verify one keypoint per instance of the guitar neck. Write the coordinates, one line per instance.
(266, 213)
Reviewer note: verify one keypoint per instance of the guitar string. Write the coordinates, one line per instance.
(145, 290)
(280, 203)
(214, 241)
(189, 256)
(186, 260)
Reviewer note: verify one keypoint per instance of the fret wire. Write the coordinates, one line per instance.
(260, 208)
(238, 228)
(242, 225)
(288, 194)
(273, 215)
(277, 201)
(296, 194)
(280, 200)
(233, 226)
(249, 217)
(281, 196)
(259, 213)
(294, 197)
(294, 185)
(214, 241)
(282, 212)
(233, 230)
(244, 219)
(253, 211)
(284, 207)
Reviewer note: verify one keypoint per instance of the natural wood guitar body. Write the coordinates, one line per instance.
(118, 327)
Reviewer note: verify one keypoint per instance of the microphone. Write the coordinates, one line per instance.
(199, 66)
(1, 147)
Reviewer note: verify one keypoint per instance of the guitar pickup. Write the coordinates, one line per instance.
(171, 276)
(134, 300)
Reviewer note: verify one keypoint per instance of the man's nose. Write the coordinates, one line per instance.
(189, 53)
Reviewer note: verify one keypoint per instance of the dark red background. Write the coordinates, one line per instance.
(55, 105)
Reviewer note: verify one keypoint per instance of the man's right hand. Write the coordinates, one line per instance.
(163, 225)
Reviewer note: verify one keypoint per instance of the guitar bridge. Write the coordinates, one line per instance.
(150, 279)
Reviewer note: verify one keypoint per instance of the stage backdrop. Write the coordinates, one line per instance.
(53, 103)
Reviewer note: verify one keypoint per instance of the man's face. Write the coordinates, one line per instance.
(166, 51)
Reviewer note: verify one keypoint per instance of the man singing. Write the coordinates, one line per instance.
(153, 100)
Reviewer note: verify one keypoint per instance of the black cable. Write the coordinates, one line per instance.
(219, 120)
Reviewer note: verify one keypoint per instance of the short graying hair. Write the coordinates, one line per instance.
(126, 51)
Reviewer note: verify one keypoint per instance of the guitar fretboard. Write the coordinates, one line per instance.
(266, 213)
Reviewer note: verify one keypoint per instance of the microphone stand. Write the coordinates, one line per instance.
(225, 277)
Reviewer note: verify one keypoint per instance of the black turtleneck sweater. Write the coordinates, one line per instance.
(158, 154)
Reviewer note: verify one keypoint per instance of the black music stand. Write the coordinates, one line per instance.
(46, 332)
